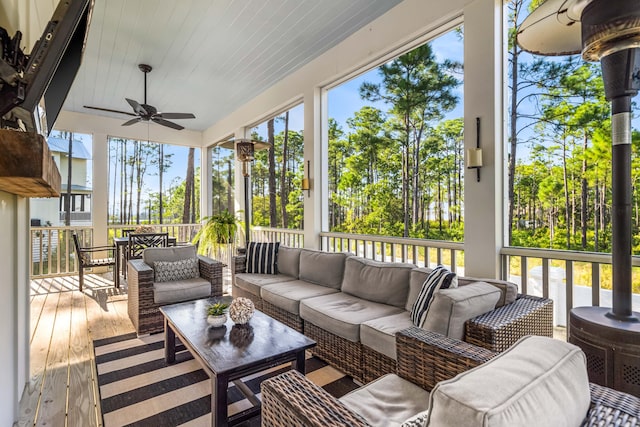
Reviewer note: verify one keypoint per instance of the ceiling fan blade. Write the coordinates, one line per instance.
(167, 123)
(109, 110)
(139, 109)
(132, 121)
(175, 115)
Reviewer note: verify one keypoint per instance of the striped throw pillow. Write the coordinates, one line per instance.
(262, 258)
(439, 278)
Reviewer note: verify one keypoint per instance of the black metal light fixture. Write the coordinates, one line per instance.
(245, 150)
(607, 31)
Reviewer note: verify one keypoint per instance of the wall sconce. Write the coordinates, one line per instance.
(474, 155)
(305, 185)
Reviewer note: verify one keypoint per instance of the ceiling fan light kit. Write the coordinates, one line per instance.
(145, 112)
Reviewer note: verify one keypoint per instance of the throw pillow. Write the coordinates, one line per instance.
(439, 278)
(262, 258)
(418, 420)
(169, 271)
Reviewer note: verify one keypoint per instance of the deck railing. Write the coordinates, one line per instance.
(570, 278)
(53, 254)
(287, 237)
(420, 252)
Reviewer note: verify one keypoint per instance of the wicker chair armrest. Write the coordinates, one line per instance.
(139, 265)
(290, 400)
(426, 358)
(238, 264)
(499, 329)
(211, 271)
(612, 408)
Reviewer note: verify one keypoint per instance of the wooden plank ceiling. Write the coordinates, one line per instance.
(208, 56)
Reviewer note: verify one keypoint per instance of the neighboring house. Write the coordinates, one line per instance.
(52, 211)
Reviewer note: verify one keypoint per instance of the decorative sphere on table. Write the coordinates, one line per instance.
(241, 310)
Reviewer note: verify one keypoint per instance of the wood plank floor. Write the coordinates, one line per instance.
(62, 390)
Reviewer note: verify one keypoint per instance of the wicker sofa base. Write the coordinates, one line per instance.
(239, 292)
(291, 320)
(339, 352)
(376, 364)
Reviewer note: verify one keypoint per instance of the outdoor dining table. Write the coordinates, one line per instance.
(121, 244)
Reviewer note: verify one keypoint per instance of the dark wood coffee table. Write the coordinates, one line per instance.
(231, 352)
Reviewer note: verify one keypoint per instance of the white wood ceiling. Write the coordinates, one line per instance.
(208, 56)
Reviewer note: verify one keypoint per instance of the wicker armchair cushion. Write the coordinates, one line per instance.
(287, 295)
(181, 290)
(387, 401)
(341, 314)
(252, 283)
(383, 282)
(380, 334)
(538, 381)
(171, 253)
(289, 261)
(322, 268)
(451, 308)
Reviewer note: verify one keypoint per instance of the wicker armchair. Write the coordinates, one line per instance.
(143, 311)
(424, 358)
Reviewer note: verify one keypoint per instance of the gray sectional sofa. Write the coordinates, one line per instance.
(353, 307)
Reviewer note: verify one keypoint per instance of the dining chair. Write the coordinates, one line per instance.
(138, 242)
(86, 259)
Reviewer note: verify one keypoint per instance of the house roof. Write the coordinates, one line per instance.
(60, 145)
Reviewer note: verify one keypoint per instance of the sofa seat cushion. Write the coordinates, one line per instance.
(180, 290)
(380, 334)
(387, 401)
(451, 308)
(383, 282)
(287, 295)
(252, 283)
(538, 381)
(342, 314)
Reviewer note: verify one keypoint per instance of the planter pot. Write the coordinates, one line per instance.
(217, 321)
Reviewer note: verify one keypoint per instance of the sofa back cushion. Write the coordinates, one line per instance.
(508, 290)
(289, 261)
(451, 308)
(171, 253)
(322, 268)
(383, 282)
(539, 381)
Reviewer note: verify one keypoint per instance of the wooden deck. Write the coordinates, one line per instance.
(62, 390)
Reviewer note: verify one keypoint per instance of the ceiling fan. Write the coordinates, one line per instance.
(145, 112)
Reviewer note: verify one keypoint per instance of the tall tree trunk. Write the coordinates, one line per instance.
(123, 180)
(67, 201)
(513, 128)
(229, 186)
(566, 193)
(115, 178)
(133, 165)
(596, 214)
(284, 188)
(188, 187)
(139, 176)
(273, 214)
(583, 194)
(160, 173)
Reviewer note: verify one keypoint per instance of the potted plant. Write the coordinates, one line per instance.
(217, 232)
(217, 314)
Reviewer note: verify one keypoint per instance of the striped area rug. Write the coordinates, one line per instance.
(138, 388)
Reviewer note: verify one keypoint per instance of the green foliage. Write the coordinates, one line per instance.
(217, 230)
(217, 309)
